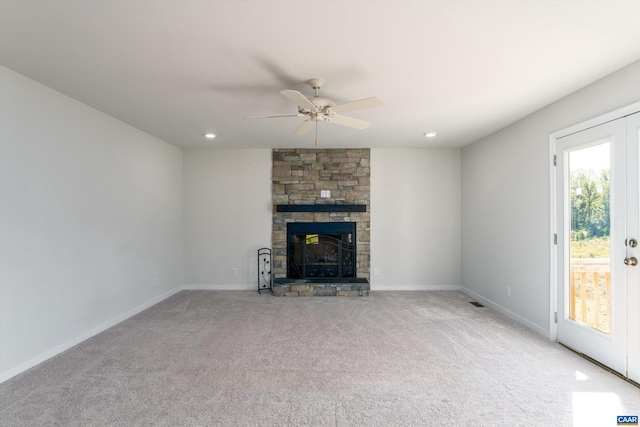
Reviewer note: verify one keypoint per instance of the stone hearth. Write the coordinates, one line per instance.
(318, 287)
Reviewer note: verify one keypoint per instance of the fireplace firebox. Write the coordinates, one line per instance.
(321, 250)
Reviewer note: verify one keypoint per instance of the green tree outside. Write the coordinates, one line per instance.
(590, 213)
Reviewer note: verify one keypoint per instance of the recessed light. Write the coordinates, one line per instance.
(210, 135)
(430, 134)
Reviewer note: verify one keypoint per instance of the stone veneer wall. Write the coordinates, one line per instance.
(298, 176)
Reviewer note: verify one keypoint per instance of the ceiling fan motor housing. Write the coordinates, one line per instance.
(323, 106)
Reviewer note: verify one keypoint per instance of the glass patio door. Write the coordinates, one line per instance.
(597, 202)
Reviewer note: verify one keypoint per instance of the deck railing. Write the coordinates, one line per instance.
(590, 291)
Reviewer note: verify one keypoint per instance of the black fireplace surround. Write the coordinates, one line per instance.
(321, 250)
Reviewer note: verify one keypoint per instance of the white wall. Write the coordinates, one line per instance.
(90, 214)
(415, 219)
(227, 216)
(505, 201)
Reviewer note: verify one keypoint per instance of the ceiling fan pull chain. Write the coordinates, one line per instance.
(316, 133)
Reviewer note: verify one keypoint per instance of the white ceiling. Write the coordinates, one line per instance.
(178, 69)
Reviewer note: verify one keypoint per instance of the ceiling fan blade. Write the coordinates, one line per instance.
(358, 105)
(274, 116)
(305, 127)
(349, 122)
(298, 98)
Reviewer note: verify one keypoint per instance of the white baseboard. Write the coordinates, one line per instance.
(12, 372)
(511, 315)
(415, 287)
(220, 288)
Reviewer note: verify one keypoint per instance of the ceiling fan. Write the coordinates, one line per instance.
(318, 109)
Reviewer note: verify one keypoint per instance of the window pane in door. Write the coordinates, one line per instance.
(590, 241)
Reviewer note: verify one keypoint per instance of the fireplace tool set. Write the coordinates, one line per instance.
(265, 278)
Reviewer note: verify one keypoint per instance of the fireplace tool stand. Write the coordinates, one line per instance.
(265, 278)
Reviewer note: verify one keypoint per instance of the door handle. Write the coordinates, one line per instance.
(631, 261)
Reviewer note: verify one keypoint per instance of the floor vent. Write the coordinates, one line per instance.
(477, 304)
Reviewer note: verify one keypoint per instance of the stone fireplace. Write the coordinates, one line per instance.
(321, 221)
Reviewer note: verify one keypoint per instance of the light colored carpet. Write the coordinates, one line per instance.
(204, 358)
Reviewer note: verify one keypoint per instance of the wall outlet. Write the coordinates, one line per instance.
(155, 282)
(508, 291)
(235, 271)
(376, 271)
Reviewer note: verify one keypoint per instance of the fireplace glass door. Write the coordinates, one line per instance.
(320, 250)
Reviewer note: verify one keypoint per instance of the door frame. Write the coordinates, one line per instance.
(633, 275)
(553, 229)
